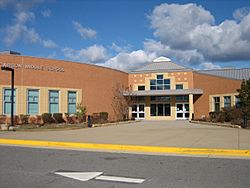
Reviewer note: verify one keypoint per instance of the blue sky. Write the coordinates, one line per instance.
(126, 34)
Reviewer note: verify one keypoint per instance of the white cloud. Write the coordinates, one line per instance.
(19, 5)
(183, 56)
(118, 48)
(94, 53)
(91, 54)
(172, 22)
(84, 32)
(52, 55)
(208, 65)
(49, 44)
(46, 13)
(70, 53)
(14, 32)
(20, 30)
(189, 31)
(4, 3)
(32, 35)
(129, 61)
(97, 54)
(240, 13)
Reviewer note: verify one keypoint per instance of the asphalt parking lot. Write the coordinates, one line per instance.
(148, 133)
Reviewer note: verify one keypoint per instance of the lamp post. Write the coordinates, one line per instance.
(12, 94)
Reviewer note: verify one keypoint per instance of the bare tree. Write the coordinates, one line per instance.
(120, 102)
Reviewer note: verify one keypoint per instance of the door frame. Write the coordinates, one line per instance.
(138, 112)
(184, 111)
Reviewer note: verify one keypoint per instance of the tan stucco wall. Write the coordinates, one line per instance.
(185, 78)
(21, 98)
(211, 102)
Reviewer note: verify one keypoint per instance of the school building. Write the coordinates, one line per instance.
(161, 90)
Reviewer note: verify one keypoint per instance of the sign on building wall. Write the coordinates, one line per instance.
(32, 67)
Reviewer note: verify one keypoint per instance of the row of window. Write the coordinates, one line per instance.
(163, 109)
(160, 110)
(33, 101)
(160, 84)
(178, 98)
(227, 102)
(156, 87)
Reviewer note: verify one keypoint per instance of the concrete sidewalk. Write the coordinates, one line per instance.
(148, 133)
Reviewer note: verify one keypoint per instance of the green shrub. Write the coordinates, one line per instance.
(80, 110)
(47, 118)
(233, 115)
(58, 117)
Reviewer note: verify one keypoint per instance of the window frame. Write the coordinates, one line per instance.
(58, 91)
(237, 101)
(227, 104)
(4, 102)
(70, 103)
(176, 86)
(139, 88)
(160, 83)
(28, 102)
(164, 112)
(216, 104)
(182, 98)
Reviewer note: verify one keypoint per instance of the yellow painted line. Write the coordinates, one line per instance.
(130, 148)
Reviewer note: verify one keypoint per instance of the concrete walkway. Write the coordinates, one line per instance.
(148, 133)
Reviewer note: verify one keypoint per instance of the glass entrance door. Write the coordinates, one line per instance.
(182, 110)
(138, 111)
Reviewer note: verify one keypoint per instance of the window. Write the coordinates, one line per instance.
(53, 101)
(7, 101)
(160, 110)
(181, 98)
(138, 99)
(167, 110)
(179, 86)
(152, 84)
(141, 88)
(227, 102)
(160, 98)
(216, 104)
(159, 77)
(138, 111)
(71, 102)
(33, 100)
(160, 83)
(153, 110)
(237, 102)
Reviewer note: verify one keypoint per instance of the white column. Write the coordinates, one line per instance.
(191, 106)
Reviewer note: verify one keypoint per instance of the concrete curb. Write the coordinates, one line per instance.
(130, 148)
(216, 124)
(115, 123)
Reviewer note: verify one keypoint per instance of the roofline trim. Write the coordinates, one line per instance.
(163, 92)
(164, 70)
(218, 76)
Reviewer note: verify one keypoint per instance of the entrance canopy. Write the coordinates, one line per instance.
(164, 92)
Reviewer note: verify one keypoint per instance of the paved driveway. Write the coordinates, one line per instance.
(150, 133)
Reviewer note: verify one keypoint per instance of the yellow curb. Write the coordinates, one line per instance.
(134, 148)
